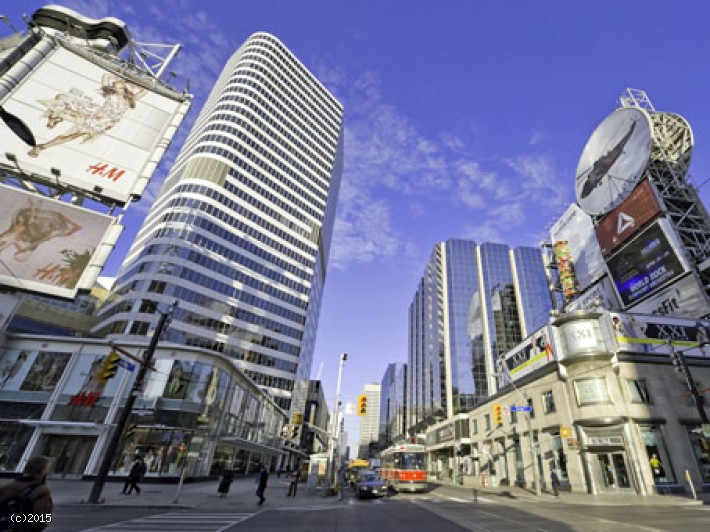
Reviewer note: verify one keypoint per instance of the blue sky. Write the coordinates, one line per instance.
(463, 119)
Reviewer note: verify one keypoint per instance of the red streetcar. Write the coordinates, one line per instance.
(403, 467)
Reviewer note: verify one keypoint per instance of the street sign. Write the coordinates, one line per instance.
(127, 365)
(521, 408)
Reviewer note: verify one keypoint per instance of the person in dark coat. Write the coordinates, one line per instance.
(225, 483)
(261, 479)
(33, 475)
(295, 479)
(135, 475)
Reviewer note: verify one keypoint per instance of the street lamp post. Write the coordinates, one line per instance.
(333, 473)
(97, 488)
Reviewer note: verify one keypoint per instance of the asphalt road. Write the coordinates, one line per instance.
(406, 513)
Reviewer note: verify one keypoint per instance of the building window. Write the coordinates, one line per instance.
(532, 408)
(591, 391)
(513, 417)
(487, 420)
(548, 400)
(638, 391)
(658, 460)
(475, 427)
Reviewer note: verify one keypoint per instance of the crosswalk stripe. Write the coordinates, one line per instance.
(177, 521)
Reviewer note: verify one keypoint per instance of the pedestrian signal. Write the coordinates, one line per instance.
(498, 414)
(109, 368)
(361, 405)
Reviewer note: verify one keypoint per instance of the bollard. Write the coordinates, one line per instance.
(690, 483)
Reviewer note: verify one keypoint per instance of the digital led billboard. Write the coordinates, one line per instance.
(646, 264)
(51, 247)
(95, 130)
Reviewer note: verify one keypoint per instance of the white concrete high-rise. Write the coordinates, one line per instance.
(241, 230)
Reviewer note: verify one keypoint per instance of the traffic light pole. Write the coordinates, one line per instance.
(691, 383)
(97, 488)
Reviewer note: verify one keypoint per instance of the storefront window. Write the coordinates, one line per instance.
(31, 371)
(559, 461)
(701, 450)
(657, 455)
(179, 380)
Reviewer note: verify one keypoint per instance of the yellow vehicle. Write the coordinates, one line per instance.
(354, 468)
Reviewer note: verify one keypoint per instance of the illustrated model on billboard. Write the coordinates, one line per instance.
(613, 160)
(33, 225)
(50, 246)
(88, 117)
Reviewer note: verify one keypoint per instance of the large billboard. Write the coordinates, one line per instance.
(647, 263)
(533, 353)
(629, 218)
(684, 298)
(655, 334)
(601, 295)
(95, 130)
(576, 228)
(51, 247)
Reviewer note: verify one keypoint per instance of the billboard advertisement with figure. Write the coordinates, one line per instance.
(94, 130)
(49, 246)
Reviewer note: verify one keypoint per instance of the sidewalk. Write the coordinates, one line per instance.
(241, 496)
(502, 493)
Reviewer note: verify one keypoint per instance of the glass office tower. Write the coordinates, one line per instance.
(474, 303)
(241, 230)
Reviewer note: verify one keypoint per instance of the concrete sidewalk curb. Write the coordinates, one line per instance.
(513, 493)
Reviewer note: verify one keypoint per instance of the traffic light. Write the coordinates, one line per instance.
(497, 414)
(295, 432)
(109, 368)
(361, 405)
(677, 362)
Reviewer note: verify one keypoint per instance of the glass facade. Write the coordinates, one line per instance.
(196, 412)
(474, 303)
(240, 232)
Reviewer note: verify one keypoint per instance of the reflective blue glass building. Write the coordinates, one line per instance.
(474, 302)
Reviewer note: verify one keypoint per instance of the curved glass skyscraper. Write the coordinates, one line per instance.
(240, 232)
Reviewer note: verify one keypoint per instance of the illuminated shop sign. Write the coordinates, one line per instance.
(646, 264)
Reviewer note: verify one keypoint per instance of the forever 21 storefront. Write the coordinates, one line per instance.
(197, 413)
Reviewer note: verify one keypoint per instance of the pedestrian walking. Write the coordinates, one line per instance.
(135, 475)
(27, 495)
(293, 485)
(261, 479)
(555, 481)
(225, 483)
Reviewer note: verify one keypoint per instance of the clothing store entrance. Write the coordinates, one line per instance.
(69, 454)
(611, 471)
